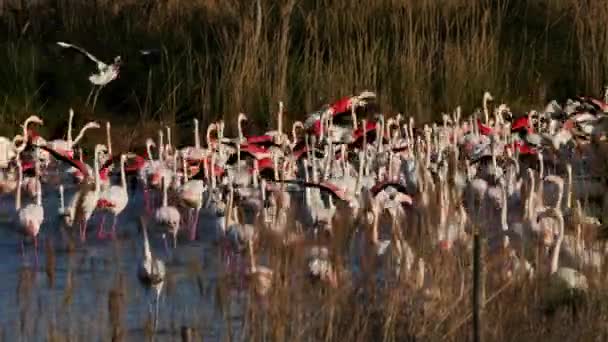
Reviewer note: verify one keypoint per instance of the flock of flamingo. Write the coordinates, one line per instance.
(532, 185)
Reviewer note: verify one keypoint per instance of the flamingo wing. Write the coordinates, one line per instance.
(73, 162)
(82, 51)
(383, 185)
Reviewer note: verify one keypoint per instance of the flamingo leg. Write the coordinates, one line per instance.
(83, 231)
(90, 94)
(156, 312)
(96, 96)
(194, 228)
(114, 226)
(166, 244)
(101, 234)
(147, 205)
(36, 251)
(22, 248)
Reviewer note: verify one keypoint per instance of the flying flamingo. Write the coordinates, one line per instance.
(106, 73)
(114, 200)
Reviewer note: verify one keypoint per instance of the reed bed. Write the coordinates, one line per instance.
(223, 57)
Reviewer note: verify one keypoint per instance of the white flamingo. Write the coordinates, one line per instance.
(32, 215)
(191, 195)
(168, 217)
(115, 199)
(151, 272)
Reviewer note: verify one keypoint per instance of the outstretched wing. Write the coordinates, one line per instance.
(82, 51)
(73, 162)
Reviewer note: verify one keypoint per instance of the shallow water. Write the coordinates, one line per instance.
(75, 303)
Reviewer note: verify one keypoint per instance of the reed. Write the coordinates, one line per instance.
(220, 58)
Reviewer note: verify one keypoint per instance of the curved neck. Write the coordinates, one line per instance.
(80, 135)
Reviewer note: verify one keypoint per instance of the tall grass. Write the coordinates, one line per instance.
(225, 57)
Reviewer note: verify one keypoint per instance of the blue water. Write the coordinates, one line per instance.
(31, 306)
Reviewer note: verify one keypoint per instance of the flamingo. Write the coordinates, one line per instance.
(258, 277)
(31, 216)
(64, 146)
(151, 272)
(106, 73)
(114, 200)
(191, 195)
(84, 202)
(168, 217)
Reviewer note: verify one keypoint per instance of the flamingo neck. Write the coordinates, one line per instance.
(165, 196)
(503, 210)
(123, 176)
(307, 189)
(197, 138)
(169, 146)
(80, 135)
(70, 119)
(149, 151)
(251, 256)
(569, 197)
(360, 173)
(96, 171)
(109, 138)
(239, 124)
(558, 243)
(280, 123)
(37, 176)
(19, 181)
(185, 166)
(161, 145)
